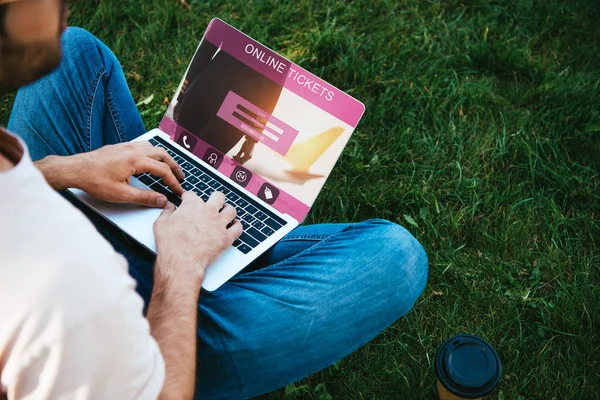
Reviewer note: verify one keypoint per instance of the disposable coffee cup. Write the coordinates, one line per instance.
(467, 367)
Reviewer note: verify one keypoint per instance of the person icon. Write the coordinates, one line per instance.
(212, 159)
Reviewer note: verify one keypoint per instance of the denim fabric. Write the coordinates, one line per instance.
(319, 294)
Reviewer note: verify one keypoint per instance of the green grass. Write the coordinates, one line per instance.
(481, 136)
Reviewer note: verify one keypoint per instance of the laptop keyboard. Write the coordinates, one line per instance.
(258, 222)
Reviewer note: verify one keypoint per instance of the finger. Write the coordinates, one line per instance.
(228, 213)
(160, 154)
(235, 230)
(189, 195)
(163, 171)
(148, 198)
(216, 199)
(166, 212)
(143, 143)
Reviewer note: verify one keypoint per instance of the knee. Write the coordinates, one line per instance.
(81, 46)
(78, 39)
(406, 262)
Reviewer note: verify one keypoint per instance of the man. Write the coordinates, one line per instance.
(72, 323)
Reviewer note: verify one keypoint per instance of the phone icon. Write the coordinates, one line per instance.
(187, 140)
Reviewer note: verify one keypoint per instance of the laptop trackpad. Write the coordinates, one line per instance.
(137, 221)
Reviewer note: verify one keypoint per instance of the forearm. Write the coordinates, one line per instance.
(172, 315)
(60, 172)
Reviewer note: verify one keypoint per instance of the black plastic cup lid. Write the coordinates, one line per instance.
(468, 366)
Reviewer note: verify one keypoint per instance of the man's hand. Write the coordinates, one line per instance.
(105, 173)
(192, 237)
(188, 239)
(108, 169)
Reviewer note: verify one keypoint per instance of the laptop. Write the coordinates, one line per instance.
(250, 123)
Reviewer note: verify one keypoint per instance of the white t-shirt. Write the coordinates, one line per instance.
(71, 323)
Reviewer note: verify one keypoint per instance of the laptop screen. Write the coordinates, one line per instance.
(271, 126)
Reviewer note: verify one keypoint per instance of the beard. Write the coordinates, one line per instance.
(22, 64)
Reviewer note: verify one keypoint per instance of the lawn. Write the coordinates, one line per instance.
(481, 136)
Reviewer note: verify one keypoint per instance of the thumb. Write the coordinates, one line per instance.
(166, 212)
(148, 198)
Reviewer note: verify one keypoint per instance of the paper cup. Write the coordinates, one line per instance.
(467, 367)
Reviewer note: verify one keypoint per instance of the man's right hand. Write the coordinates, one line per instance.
(188, 240)
(192, 237)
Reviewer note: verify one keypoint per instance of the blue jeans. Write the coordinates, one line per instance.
(319, 294)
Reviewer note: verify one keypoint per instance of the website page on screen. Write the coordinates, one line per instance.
(271, 126)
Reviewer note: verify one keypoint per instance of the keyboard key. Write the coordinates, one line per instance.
(272, 224)
(204, 178)
(233, 197)
(213, 184)
(261, 216)
(251, 209)
(204, 197)
(159, 187)
(267, 231)
(209, 191)
(257, 224)
(225, 191)
(145, 179)
(201, 185)
(245, 225)
(172, 197)
(178, 160)
(186, 165)
(241, 202)
(249, 240)
(244, 248)
(187, 186)
(256, 234)
(236, 242)
(153, 141)
(195, 171)
(248, 218)
(231, 204)
(198, 191)
(163, 184)
(192, 179)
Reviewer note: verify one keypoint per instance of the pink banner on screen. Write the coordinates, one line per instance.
(284, 72)
(248, 50)
(259, 124)
(323, 95)
(285, 202)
